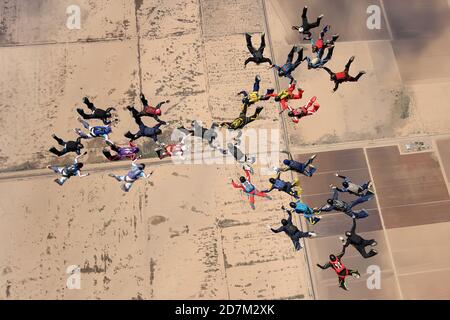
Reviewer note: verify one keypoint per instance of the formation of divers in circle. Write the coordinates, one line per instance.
(113, 152)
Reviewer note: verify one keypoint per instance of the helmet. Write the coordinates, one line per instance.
(348, 233)
(284, 222)
(333, 257)
(242, 179)
(108, 130)
(345, 184)
(158, 131)
(330, 201)
(272, 180)
(291, 113)
(158, 112)
(292, 204)
(287, 162)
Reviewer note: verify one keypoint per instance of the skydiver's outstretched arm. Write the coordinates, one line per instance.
(290, 216)
(158, 106)
(251, 59)
(331, 73)
(79, 156)
(280, 229)
(325, 266)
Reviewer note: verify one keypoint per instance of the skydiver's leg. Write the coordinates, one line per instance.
(82, 134)
(109, 156)
(118, 178)
(85, 115)
(316, 23)
(61, 180)
(331, 73)
(60, 141)
(361, 214)
(56, 169)
(126, 186)
(114, 147)
(342, 283)
(57, 152)
(354, 79)
(299, 59)
(143, 100)
(248, 39)
(89, 104)
(251, 200)
(359, 200)
(254, 116)
(296, 242)
(304, 17)
(134, 113)
(85, 124)
(349, 63)
(330, 53)
(290, 56)
(263, 44)
(335, 194)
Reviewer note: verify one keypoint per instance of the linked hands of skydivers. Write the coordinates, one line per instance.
(79, 156)
(148, 175)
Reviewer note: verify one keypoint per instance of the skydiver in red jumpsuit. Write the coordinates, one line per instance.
(284, 96)
(340, 269)
(306, 110)
(247, 186)
(343, 76)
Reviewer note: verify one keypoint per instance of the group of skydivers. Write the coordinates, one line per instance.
(114, 152)
(362, 192)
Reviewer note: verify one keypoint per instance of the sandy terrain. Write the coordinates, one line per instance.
(201, 241)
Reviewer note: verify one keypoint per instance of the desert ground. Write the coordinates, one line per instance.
(185, 233)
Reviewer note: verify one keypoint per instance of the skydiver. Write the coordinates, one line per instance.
(68, 146)
(338, 205)
(69, 170)
(292, 231)
(307, 110)
(358, 242)
(128, 152)
(96, 113)
(94, 132)
(144, 131)
(257, 55)
(249, 188)
(136, 172)
(287, 69)
(306, 26)
(341, 271)
(291, 188)
(306, 168)
(343, 76)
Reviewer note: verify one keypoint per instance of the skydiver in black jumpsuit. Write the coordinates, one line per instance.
(97, 113)
(257, 55)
